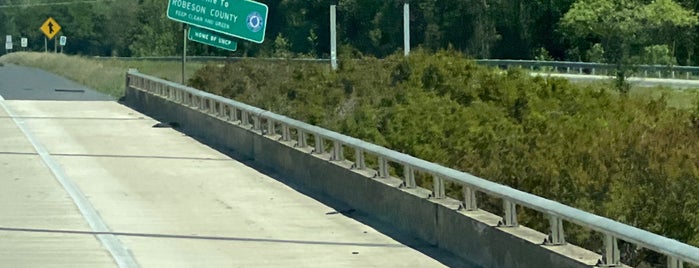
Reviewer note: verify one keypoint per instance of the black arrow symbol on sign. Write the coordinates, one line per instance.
(50, 27)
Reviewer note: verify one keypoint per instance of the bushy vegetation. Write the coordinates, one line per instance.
(628, 158)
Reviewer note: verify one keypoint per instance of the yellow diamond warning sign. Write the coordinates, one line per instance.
(50, 28)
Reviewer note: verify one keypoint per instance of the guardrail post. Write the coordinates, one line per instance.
(510, 218)
(127, 79)
(556, 234)
(256, 123)
(470, 203)
(301, 142)
(338, 154)
(244, 120)
(673, 262)
(438, 191)
(611, 257)
(383, 168)
(286, 133)
(359, 162)
(270, 127)
(409, 176)
(319, 146)
(234, 114)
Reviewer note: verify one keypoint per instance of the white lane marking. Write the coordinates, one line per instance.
(121, 255)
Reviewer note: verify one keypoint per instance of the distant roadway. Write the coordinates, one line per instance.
(637, 81)
(24, 83)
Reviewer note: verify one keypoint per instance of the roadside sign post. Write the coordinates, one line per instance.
(24, 43)
(62, 42)
(243, 19)
(211, 38)
(8, 43)
(50, 28)
(184, 52)
(333, 37)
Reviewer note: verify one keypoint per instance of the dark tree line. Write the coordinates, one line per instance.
(660, 31)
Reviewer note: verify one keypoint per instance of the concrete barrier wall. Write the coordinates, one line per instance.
(473, 236)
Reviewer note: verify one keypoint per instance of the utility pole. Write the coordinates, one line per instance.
(406, 28)
(333, 36)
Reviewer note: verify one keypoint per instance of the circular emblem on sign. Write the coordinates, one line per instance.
(254, 22)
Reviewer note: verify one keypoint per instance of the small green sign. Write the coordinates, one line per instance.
(211, 38)
(244, 19)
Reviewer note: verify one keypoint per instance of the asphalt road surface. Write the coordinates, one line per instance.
(24, 83)
(634, 81)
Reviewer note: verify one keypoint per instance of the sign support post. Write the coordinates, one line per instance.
(184, 51)
(333, 37)
(406, 29)
(50, 28)
(62, 42)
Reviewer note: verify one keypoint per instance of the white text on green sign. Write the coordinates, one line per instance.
(240, 18)
(211, 38)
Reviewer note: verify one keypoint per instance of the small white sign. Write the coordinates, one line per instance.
(62, 40)
(8, 39)
(23, 42)
(8, 46)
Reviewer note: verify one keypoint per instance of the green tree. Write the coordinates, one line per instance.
(625, 27)
(157, 35)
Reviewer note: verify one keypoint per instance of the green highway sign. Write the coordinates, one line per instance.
(211, 38)
(244, 19)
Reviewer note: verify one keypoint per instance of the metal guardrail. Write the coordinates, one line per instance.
(289, 130)
(655, 71)
(568, 67)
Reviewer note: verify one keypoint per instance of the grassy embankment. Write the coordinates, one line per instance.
(104, 75)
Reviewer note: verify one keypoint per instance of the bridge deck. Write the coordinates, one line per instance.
(162, 196)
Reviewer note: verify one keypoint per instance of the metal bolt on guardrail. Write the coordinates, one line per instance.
(677, 253)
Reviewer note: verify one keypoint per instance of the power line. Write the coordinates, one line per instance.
(56, 3)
